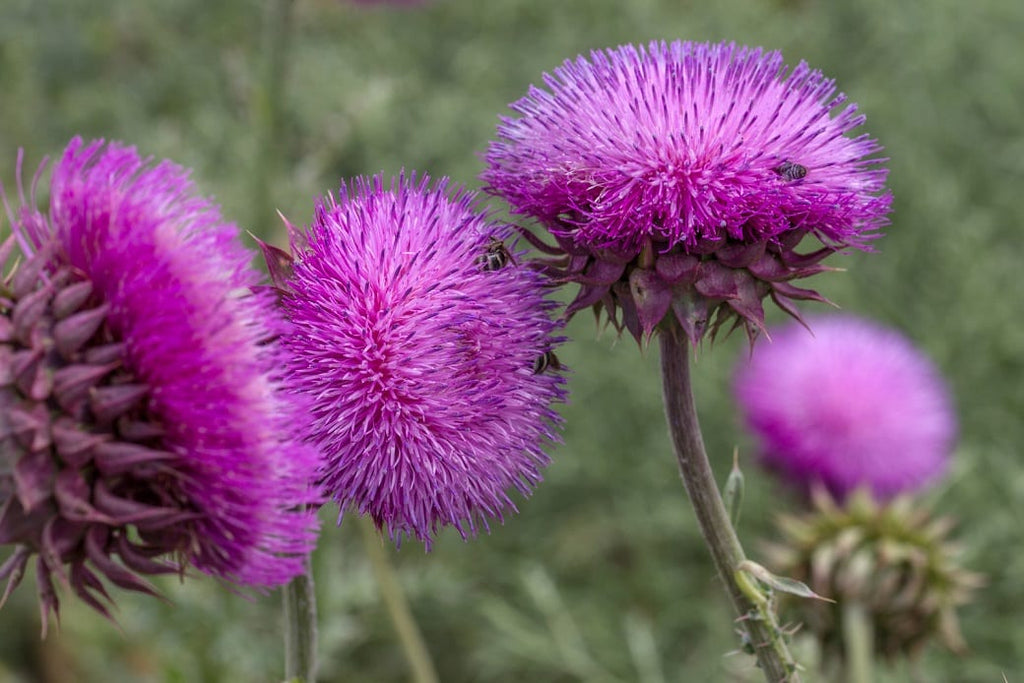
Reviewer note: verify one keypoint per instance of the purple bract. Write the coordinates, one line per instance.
(425, 346)
(853, 405)
(682, 177)
(143, 424)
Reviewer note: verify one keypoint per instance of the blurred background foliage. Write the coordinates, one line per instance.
(602, 576)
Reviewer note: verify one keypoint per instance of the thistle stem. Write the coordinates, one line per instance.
(267, 111)
(858, 640)
(413, 646)
(755, 612)
(300, 628)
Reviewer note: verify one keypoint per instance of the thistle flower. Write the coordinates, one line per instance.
(143, 428)
(894, 560)
(681, 177)
(851, 405)
(425, 347)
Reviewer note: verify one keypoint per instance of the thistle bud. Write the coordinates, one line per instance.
(895, 560)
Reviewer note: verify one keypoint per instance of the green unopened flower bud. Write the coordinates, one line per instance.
(895, 560)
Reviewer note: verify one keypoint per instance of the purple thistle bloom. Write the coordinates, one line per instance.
(682, 176)
(851, 405)
(426, 348)
(142, 415)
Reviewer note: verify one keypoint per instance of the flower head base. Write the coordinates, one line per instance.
(426, 349)
(141, 428)
(851, 405)
(681, 178)
(894, 560)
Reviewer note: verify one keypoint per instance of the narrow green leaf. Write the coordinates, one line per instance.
(733, 491)
(782, 584)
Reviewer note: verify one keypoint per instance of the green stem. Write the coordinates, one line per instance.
(413, 645)
(756, 615)
(300, 628)
(858, 641)
(267, 109)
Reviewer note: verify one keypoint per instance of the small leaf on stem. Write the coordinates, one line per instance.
(779, 583)
(733, 491)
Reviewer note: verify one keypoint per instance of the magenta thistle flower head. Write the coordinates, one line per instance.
(681, 177)
(143, 427)
(425, 345)
(851, 405)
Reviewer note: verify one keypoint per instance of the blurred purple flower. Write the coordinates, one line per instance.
(682, 176)
(426, 348)
(141, 410)
(853, 405)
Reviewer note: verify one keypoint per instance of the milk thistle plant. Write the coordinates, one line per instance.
(677, 181)
(860, 422)
(425, 350)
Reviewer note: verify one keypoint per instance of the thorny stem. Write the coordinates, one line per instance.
(756, 615)
(300, 628)
(413, 646)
